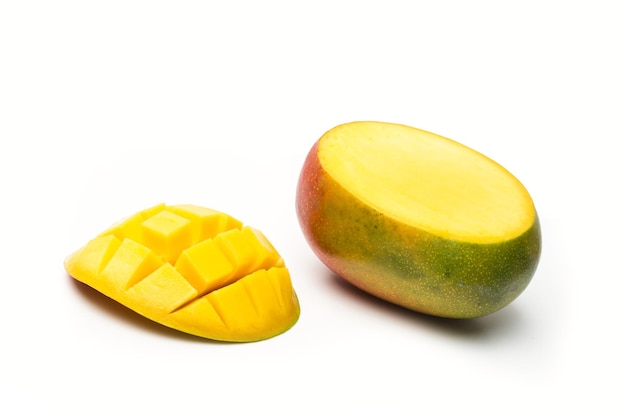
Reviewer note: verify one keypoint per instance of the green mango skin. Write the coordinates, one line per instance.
(405, 265)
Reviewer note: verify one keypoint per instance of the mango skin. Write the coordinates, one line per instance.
(405, 265)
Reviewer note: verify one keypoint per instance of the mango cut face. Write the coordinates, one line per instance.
(192, 269)
(427, 181)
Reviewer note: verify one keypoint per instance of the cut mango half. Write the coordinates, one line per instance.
(193, 269)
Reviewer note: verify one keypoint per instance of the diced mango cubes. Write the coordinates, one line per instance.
(192, 269)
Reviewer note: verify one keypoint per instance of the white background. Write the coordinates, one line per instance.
(109, 107)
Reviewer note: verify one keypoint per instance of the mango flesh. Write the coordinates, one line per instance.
(192, 269)
(417, 219)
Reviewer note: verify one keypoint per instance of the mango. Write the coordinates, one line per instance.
(193, 269)
(417, 219)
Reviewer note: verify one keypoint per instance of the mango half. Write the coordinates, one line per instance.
(417, 219)
(193, 269)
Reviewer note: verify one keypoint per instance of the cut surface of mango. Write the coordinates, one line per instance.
(193, 269)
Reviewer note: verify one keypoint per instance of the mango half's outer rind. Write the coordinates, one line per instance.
(370, 200)
(193, 269)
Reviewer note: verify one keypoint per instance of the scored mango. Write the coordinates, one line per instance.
(193, 269)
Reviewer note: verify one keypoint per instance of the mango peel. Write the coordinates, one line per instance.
(193, 269)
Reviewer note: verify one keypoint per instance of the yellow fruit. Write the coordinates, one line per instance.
(192, 269)
(418, 220)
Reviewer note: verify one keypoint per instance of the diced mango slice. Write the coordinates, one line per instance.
(193, 269)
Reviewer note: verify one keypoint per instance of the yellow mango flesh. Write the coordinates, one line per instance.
(192, 269)
(428, 182)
